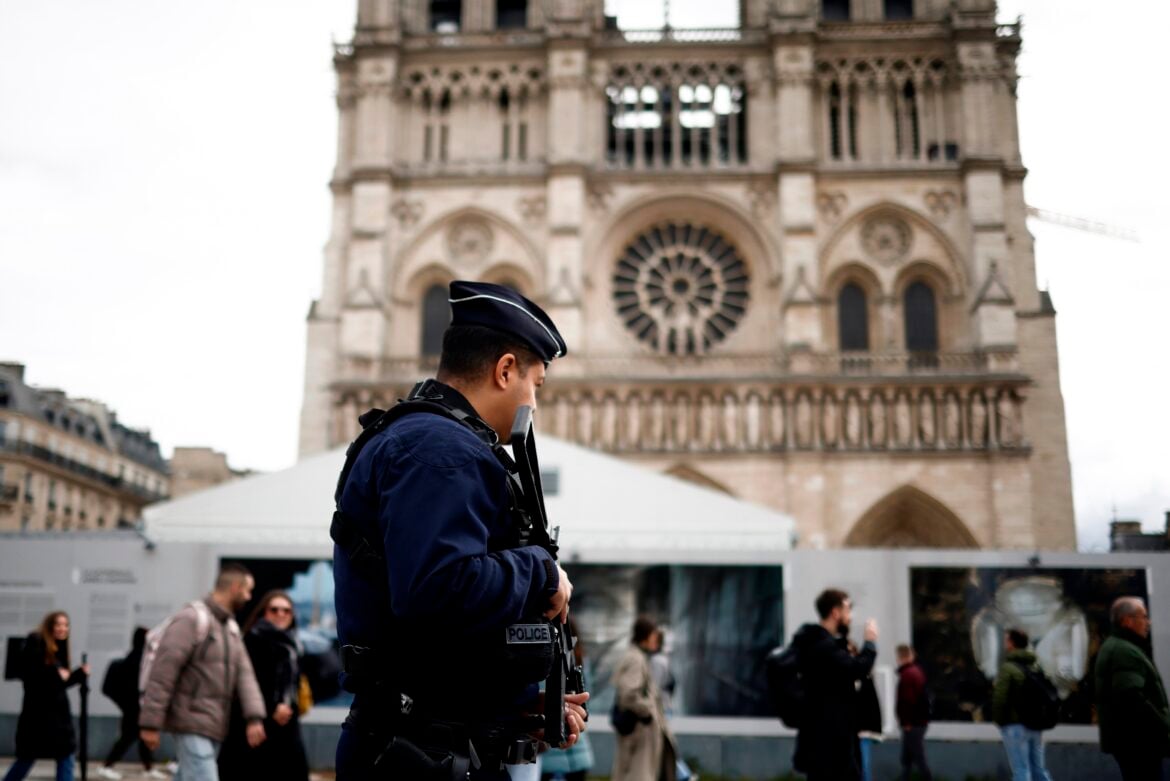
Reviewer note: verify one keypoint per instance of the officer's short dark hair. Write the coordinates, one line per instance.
(1018, 638)
(829, 599)
(644, 629)
(471, 351)
(229, 574)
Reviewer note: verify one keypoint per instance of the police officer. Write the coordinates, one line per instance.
(429, 570)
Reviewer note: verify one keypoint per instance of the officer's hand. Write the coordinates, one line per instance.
(575, 716)
(255, 733)
(559, 602)
(871, 631)
(150, 738)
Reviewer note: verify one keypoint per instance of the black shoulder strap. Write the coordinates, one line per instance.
(366, 557)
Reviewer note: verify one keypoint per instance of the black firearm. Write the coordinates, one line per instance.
(83, 716)
(566, 676)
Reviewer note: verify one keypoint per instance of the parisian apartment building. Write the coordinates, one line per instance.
(69, 464)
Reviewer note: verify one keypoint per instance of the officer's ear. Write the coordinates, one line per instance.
(506, 370)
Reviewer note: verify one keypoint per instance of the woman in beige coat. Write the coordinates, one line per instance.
(648, 753)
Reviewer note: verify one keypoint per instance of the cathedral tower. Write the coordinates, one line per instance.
(790, 258)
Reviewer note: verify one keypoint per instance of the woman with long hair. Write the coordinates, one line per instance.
(270, 635)
(45, 727)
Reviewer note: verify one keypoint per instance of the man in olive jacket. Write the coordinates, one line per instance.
(1131, 701)
(199, 665)
(1024, 746)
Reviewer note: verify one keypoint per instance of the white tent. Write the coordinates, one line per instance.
(608, 510)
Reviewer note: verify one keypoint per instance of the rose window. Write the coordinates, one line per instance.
(680, 288)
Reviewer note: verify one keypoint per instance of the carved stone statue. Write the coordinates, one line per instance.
(776, 430)
(730, 432)
(927, 429)
(830, 420)
(609, 422)
(902, 421)
(804, 421)
(681, 421)
(878, 423)
(852, 421)
(978, 420)
(952, 422)
(657, 422)
(1007, 420)
(752, 423)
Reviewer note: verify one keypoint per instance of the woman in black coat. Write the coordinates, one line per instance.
(45, 727)
(269, 634)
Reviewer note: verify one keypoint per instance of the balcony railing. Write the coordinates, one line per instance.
(682, 35)
(651, 366)
(47, 456)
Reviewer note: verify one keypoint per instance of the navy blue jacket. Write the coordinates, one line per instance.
(432, 491)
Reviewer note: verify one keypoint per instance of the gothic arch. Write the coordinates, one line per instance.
(692, 475)
(910, 518)
(429, 249)
(951, 266)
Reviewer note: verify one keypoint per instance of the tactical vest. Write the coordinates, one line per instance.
(524, 652)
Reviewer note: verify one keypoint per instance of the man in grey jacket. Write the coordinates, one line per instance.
(199, 665)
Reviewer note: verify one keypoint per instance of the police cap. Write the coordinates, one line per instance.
(503, 309)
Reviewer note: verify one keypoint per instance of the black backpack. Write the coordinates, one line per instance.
(785, 685)
(1037, 700)
(14, 660)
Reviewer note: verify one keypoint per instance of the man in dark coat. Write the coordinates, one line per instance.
(913, 710)
(826, 744)
(1131, 701)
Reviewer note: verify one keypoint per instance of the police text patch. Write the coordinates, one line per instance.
(523, 634)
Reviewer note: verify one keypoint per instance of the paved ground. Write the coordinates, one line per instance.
(130, 771)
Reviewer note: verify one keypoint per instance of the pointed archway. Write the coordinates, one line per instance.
(910, 518)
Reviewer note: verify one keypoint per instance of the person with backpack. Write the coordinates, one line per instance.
(1018, 706)
(121, 686)
(44, 729)
(827, 747)
(1132, 707)
(192, 667)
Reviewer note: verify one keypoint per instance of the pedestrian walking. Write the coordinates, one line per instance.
(869, 721)
(1023, 744)
(826, 743)
(648, 752)
(660, 669)
(270, 637)
(1132, 709)
(191, 672)
(44, 729)
(121, 685)
(913, 710)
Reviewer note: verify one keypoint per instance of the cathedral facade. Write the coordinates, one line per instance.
(790, 259)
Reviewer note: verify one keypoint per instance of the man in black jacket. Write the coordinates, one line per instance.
(826, 744)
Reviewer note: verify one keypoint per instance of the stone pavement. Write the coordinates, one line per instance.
(131, 771)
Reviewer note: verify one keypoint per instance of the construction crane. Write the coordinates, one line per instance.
(1082, 224)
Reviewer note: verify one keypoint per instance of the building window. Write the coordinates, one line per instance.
(921, 314)
(681, 288)
(511, 14)
(835, 10)
(852, 318)
(3, 431)
(436, 316)
(446, 16)
(52, 494)
(898, 9)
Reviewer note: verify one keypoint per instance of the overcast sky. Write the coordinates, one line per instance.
(163, 205)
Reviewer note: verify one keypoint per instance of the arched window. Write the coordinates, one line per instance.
(835, 10)
(436, 316)
(511, 14)
(852, 318)
(898, 9)
(446, 16)
(921, 318)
